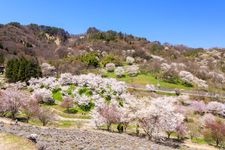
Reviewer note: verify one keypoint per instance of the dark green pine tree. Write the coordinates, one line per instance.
(32, 69)
(2, 59)
(22, 69)
(9, 70)
(15, 70)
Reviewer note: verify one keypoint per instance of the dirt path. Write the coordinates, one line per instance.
(194, 146)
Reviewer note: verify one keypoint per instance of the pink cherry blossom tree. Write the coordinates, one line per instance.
(12, 100)
(198, 107)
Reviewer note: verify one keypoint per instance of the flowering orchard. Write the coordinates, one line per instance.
(109, 103)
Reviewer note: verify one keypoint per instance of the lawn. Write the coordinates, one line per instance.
(143, 79)
(57, 96)
(62, 112)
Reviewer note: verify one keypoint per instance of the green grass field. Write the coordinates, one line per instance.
(143, 79)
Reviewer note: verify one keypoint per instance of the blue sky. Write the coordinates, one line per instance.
(195, 23)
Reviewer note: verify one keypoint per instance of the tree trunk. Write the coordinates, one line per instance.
(217, 142)
(168, 134)
(13, 116)
(109, 126)
(28, 118)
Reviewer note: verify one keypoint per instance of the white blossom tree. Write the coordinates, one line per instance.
(216, 108)
(12, 100)
(160, 115)
(120, 72)
(110, 67)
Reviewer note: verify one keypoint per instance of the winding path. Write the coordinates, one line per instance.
(173, 91)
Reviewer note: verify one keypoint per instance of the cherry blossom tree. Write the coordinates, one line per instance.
(214, 131)
(198, 107)
(67, 103)
(107, 114)
(160, 115)
(43, 95)
(30, 108)
(65, 79)
(12, 100)
(181, 131)
(44, 115)
(216, 108)
(110, 67)
(120, 72)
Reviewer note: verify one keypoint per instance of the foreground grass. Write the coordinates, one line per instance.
(12, 142)
(199, 141)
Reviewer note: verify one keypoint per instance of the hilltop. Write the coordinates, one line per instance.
(174, 64)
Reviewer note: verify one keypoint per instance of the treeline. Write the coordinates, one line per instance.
(53, 31)
(22, 69)
(110, 35)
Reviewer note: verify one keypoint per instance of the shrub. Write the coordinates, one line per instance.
(156, 48)
(90, 59)
(130, 60)
(132, 70)
(87, 108)
(110, 67)
(94, 34)
(120, 72)
(111, 59)
(72, 110)
(171, 76)
(48, 70)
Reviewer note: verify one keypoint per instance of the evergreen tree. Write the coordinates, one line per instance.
(15, 70)
(9, 70)
(22, 69)
(2, 59)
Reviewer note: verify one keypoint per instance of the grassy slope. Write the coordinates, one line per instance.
(143, 79)
(12, 142)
